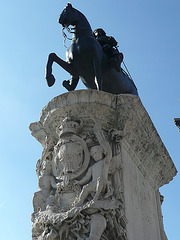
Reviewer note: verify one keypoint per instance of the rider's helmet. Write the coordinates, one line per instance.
(99, 32)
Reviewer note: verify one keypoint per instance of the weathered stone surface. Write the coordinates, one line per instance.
(102, 165)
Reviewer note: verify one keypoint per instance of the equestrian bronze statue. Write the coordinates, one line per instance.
(89, 58)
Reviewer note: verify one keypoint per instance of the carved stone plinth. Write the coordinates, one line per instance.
(100, 171)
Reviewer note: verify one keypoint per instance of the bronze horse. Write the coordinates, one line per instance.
(85, 59)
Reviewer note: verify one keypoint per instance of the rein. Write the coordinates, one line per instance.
(65, 35)
(70, 30)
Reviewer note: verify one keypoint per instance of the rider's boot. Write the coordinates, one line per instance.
(115, 63)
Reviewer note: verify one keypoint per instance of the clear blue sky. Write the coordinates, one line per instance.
(149, 36)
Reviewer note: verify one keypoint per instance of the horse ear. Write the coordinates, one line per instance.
(69, 5)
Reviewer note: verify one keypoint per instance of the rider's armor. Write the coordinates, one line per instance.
(109, 45)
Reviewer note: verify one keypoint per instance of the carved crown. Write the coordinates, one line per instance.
(68, 125)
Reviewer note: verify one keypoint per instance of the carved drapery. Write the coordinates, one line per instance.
(79, 132)
(80, 184)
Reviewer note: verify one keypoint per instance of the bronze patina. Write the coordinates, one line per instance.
(91, 57)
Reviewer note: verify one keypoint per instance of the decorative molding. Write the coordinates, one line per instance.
(123, 111)
(80, 173)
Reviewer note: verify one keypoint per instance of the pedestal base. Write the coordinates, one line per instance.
(100, 171)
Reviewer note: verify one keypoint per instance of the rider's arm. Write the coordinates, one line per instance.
(112, 41)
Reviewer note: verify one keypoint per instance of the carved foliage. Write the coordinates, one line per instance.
(80, 192)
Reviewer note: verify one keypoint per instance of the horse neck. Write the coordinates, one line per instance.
(83, 28)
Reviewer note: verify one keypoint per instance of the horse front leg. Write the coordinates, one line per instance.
(54, 58)
(71, 85)
(48, 75)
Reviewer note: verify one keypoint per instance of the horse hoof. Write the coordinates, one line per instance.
(66, 84)
(50, 80)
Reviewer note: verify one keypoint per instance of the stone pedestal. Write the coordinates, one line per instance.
(100, 171)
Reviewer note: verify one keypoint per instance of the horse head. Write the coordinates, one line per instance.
(86, 59)
(69, 16)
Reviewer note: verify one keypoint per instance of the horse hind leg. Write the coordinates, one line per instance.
(54, 58)
(97, 71)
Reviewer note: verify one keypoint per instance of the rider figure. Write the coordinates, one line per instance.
(109, 45)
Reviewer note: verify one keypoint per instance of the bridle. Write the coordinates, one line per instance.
(70, 30)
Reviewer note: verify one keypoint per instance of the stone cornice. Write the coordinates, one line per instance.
(141, 139)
